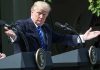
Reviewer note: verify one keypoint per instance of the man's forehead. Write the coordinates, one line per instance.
(41, 10)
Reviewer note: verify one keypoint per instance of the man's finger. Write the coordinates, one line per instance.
(89, 30)
(6, 28)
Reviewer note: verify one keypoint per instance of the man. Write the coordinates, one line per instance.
(29, 30)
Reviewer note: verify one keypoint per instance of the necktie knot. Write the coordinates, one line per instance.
(40, 31)
(39, 27)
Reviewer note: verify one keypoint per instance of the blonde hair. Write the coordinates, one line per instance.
(42, 5)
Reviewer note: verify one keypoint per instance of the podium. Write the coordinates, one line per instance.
(77, 59)
(73, 60)
(22, 61)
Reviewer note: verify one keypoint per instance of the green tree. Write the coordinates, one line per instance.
(94, 7)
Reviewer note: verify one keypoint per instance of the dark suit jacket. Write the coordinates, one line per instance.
(27, 30)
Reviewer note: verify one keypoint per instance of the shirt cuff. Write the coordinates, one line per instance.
(80, 39)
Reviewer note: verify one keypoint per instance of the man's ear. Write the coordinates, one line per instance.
(31, 11)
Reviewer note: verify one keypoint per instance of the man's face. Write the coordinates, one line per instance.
(39, 16)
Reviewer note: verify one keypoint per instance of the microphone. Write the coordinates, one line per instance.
(14, 28)
(59, 24)
(4, 24)
(64, 27)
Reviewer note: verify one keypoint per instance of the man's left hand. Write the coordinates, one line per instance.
(90, 34)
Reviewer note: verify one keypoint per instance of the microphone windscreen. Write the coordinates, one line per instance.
(59, 25)
(2, 23)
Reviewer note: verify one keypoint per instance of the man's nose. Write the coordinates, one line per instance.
(41, 16)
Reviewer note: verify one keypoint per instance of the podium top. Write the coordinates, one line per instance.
(19, 60)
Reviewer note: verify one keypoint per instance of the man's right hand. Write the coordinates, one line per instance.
(10, 33)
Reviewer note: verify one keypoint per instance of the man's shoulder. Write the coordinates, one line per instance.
(47, 27)
(23, 20)
(24, 23)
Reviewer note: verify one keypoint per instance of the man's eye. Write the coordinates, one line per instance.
(44, 14)
(39, 12)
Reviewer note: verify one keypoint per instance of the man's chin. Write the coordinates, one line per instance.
(39, 24)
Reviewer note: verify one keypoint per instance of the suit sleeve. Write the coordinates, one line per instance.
(69, 40)
(19, 44)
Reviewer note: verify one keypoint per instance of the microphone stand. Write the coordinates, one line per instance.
(80, 44)
(70, 28)
(67, 27)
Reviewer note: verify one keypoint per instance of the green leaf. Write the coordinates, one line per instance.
(94, 11)
(90, 7)
(94, 7)
(98, 13)
(50, 0)
(90, 1)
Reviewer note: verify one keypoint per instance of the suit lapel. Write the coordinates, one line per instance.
(45, 34)
(34, 30)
